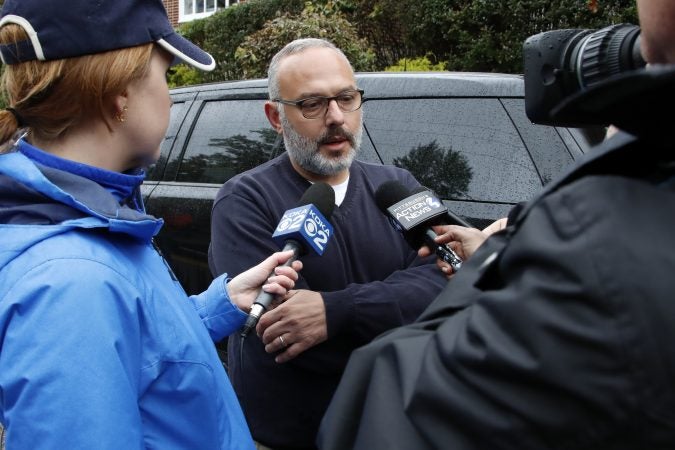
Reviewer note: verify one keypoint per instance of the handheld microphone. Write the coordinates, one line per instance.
(413, 213)
(302, 229)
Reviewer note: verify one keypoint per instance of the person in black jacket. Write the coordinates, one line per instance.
(557, 332)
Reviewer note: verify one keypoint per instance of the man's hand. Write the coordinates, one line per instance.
(463, 241)
(245, 287)
(294, 326)
(495, 226)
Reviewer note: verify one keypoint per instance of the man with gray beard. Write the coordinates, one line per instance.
(367, 281)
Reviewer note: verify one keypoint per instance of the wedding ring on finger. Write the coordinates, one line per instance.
(281, 339)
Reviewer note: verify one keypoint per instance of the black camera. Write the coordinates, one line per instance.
(561, 63)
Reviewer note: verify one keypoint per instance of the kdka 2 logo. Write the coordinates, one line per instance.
(305, 224)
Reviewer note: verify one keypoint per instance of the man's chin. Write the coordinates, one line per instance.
(330, 166)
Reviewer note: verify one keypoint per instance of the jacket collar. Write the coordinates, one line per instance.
(30, 193)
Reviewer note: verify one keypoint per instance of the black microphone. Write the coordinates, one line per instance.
(414, 212)
(302, 229)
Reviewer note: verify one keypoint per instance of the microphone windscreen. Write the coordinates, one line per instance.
(450, 217)
(390, 193)
(321, 195)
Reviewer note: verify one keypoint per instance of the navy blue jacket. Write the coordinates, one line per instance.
(370, 280)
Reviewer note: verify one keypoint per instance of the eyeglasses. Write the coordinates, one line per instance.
(315, 107)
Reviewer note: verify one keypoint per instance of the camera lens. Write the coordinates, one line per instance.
(561, 63)
(607, 52)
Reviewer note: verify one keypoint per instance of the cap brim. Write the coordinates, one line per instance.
(187, 52)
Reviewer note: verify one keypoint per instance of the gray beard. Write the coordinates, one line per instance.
(305, 151)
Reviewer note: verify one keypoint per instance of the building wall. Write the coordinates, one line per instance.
(172, 10)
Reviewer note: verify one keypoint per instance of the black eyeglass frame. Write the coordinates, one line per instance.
(298, 103)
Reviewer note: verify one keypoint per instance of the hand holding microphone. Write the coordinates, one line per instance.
(301, 230)
(465, 241)
(245, 287)
(413, 213)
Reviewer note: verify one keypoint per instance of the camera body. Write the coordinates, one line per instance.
(561, 63)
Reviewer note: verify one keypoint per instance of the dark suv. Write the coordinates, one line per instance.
(464, 135)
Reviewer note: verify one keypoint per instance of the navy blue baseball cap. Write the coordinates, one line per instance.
(60, 29)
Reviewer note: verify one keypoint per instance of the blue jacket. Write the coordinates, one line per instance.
(100, 347)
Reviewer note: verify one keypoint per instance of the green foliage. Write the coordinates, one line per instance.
(183, 75)
(487, 35)
(416, 65)
(319, 21)
(470, 35)
(385, 24)
(221, 33)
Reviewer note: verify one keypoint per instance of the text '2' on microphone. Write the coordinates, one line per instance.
(414, 212)
(303, 229)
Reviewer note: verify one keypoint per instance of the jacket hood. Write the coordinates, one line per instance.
(37, 202)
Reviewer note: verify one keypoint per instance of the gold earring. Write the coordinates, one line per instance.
(120, 115)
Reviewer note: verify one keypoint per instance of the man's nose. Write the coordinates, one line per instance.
(334, 115)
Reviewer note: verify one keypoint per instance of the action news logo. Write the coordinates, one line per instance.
(416, 209)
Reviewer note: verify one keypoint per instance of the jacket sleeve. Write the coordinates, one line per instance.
(219, 315)
(69, 367)
(363, 311)
(537, 349)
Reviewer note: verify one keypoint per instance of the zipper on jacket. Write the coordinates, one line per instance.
(161, 255)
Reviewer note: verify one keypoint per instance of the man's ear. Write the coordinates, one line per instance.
(272, 114)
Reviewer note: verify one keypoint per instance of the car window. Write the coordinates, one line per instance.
(464, 149)
(546, 146)
(229, 137)
(178, 109)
